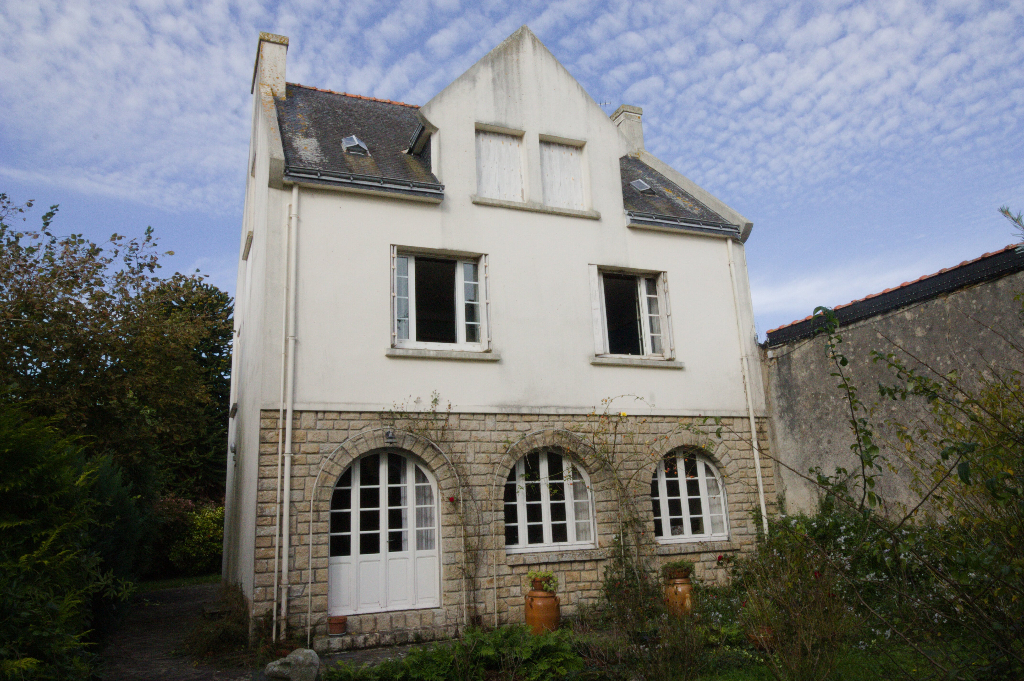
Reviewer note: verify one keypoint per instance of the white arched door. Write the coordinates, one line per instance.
(383, 537)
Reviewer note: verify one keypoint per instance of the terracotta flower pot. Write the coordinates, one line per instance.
(336, 626)
(542, 610)
(679, 595)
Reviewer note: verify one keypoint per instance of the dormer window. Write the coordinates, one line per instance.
(642, 187)
(354, 145)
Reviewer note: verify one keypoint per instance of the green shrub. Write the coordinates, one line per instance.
(50, 567)
(510, 652)
(198, 550)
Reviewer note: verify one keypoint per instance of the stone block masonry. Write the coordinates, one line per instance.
(481, 583)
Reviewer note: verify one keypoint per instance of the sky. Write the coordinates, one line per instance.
(869, 142)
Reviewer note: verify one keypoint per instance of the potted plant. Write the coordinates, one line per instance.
(542, 605)
(678, 589)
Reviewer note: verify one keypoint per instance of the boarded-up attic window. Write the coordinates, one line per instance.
(499, 166)
(561, 171)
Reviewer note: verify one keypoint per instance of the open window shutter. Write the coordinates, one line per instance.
(666, 317)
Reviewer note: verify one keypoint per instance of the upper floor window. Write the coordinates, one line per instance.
(499, 166)
(634, 315)
(561, 171)
(547, 503)
(688, 499)
(438, 302)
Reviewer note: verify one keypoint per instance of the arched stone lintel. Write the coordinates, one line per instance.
(369, 441)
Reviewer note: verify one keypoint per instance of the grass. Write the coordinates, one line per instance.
(175, 582)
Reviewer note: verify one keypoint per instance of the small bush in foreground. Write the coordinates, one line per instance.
(511, 652)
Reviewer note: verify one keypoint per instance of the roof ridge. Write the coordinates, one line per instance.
(349, 94)
(904, 284)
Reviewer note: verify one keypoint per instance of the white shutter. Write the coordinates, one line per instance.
(561, 170)
(499, 166)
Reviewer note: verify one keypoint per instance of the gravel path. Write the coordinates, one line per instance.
(143, 649)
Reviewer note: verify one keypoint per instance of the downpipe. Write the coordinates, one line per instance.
(289, 402)
(745, 371)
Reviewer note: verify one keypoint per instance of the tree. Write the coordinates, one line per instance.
(133, 363)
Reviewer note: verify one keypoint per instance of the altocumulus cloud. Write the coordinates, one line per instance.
(759, 101)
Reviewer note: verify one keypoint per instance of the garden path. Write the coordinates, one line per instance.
(144, 647)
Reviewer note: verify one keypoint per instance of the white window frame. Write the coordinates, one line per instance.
(545, 504)
(659, 479)
(483, 294)
(601, 343)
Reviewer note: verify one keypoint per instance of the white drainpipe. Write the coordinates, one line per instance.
(747, 389)
(289, 397)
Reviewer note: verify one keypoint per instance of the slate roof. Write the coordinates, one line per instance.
(667, 205)
(313, 123)
(989, 266)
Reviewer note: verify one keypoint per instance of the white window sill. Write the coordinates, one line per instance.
(536, 207)
(461, 355)
(626, 361)
(553, 554)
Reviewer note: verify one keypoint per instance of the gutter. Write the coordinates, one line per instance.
(670, 223)
(391, 185)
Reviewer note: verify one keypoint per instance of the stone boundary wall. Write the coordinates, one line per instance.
(476, 572)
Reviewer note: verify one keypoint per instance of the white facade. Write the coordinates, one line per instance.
(541, 246)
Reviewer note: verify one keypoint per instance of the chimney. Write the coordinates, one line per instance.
(627, 118)
(270, 60)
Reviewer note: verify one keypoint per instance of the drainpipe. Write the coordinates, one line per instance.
(747, 390)
(289, 400)
(285, 234)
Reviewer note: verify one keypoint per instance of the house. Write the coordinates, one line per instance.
(513, 250)
(963, 319)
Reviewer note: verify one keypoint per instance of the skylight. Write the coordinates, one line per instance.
(354, 145)
(642, 187)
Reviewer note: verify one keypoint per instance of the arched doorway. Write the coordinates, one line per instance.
(384, 538)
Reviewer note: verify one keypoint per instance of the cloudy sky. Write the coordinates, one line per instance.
(869, 142)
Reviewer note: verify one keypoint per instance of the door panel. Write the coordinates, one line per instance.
(384, 552)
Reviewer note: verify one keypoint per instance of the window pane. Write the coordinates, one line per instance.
(675, 507)
(511, 535)
(712, 483)
(533, 513)
(369, 544)
(675, 526)
(657, 528)
(398, 541)
(559, 532)
(341, 546)
(341, 498)
(511, 514)
(402, 297)
(558, 512)
(622, 313)
(425, 517)
(341, 522)
(472, 333)
(697, 525)
(717, 524)
(396, 518)
(582, 531)
(695, 507)
(369, 470)
(672, 487)
(424, 540)
(535, 534)
(369, 521)
(369, 497)
(499, 172)
(396, 496)
(671, 470)
(510, 492)
(396, 469)
(421, 477)
(424, 495)
(435, 300)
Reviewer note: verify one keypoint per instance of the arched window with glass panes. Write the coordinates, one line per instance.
(688, 499)
(383, 536)
(548, 503)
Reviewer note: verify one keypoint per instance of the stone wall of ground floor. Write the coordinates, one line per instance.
(470, 456)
